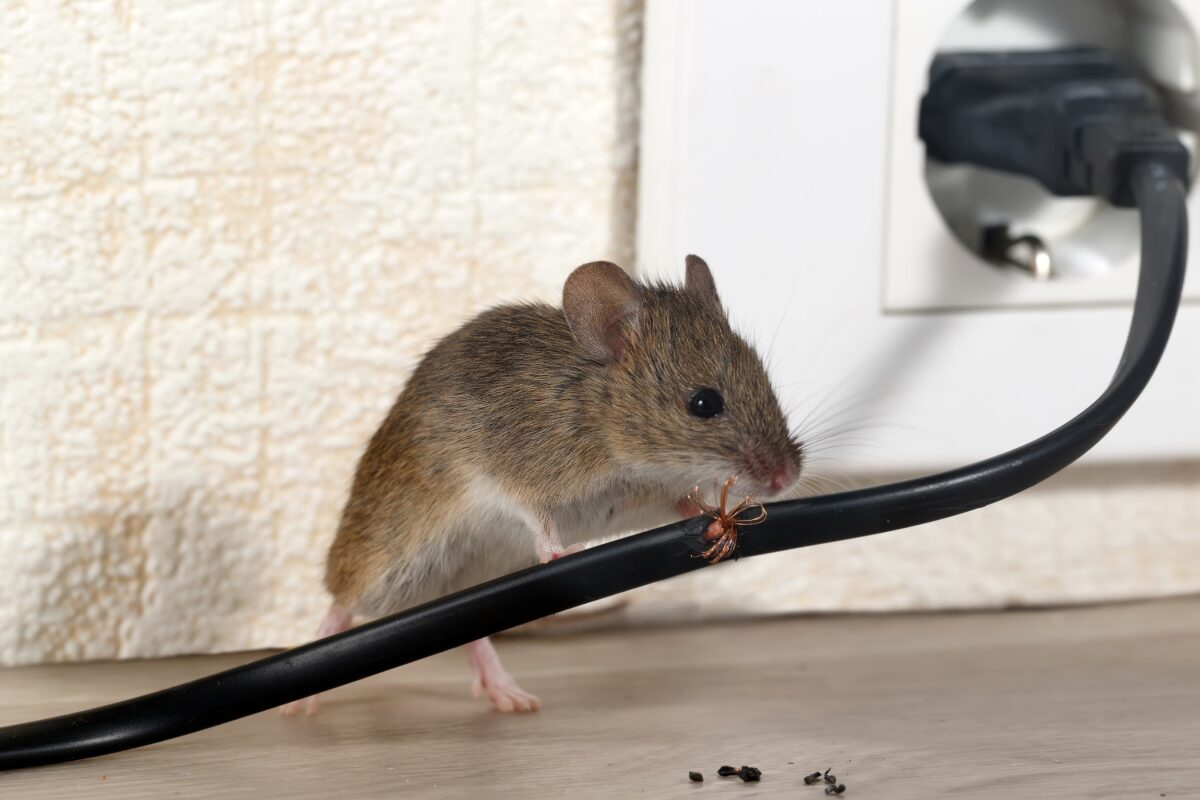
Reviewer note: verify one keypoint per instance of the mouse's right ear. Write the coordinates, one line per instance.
(599, 301)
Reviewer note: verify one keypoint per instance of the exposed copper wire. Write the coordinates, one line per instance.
(723, 530)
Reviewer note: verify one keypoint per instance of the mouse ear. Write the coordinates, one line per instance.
(599, 299)
(699, 279)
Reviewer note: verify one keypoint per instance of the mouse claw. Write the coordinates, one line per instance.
(492, 679)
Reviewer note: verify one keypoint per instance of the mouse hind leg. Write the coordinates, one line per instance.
(507, 554)
(491, 677)
(336, 621)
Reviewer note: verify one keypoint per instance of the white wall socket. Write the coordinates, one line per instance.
(779, 142)
(1098, 245)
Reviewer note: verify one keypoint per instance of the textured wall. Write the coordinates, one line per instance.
(228, 228)
(226, 231)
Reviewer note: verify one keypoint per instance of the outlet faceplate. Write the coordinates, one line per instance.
(926, 269)
(779, 143)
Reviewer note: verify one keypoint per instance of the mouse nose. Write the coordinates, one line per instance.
(771, 474)
(780, 478)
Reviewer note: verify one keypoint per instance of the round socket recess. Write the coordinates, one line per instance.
(1011, 220)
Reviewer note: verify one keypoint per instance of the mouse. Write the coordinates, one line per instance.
(533, 429)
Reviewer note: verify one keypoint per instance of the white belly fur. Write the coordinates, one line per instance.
(493, 535)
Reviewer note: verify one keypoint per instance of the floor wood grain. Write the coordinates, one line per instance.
(1095, 702)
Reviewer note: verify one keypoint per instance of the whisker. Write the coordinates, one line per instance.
(786, 307)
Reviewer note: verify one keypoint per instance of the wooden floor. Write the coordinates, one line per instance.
(1097, 702)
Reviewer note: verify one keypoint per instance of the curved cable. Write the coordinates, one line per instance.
(643, 558)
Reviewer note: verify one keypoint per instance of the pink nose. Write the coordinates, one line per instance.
(780, 479)
(771, 473)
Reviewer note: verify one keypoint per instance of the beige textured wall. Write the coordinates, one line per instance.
(228, 228)
(226, 231)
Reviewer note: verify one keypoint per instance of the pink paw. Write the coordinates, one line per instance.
(557, 554)
(310, 705)
(506, 695)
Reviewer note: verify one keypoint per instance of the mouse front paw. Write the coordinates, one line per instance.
(688, 508)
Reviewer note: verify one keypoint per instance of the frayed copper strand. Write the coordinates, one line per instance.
(723, 530)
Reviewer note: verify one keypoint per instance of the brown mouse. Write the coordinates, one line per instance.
(532, 429)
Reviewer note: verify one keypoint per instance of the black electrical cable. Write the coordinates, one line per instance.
(643, 558)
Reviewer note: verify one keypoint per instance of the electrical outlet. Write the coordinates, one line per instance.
(779, 142)
(1094, 247)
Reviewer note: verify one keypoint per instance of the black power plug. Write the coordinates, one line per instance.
(1076, 120)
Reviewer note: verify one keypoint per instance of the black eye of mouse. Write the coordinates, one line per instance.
(706, 403)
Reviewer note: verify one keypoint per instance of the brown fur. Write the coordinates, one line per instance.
(513, 396)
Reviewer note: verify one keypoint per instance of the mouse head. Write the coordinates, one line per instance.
(688, 400)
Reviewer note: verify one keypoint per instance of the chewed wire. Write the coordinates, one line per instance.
(723, 530)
